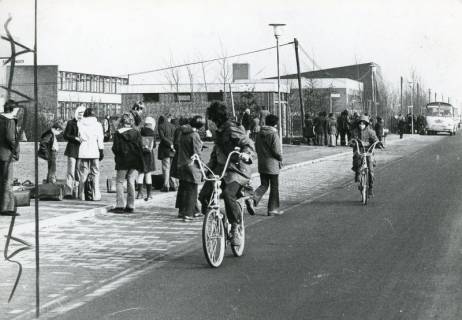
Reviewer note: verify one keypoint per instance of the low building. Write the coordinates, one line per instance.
(184, 100)
(331, 95)
(60, 92)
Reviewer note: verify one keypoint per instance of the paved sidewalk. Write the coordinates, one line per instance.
(87, 253)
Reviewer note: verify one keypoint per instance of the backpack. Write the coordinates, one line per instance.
(89, 188)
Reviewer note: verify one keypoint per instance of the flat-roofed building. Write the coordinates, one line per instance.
(60, 92)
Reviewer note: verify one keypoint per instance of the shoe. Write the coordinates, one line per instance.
(164, 189)
(250, 204)
(117, 210)
(187, 218)
(148, 198)
(197, 215)
(9, 214)
(148, 192)
(275, 212)
(129, 210)
(235, 235)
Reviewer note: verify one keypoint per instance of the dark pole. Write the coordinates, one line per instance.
(429, 95)
(300, 95)
(401, 97)
(37, 251)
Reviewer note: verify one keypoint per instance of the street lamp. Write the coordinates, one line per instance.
(277, 33)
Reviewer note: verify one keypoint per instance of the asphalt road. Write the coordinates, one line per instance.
(397, 258)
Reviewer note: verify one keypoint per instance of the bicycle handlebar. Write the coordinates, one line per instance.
(203, 166)
(370, 150)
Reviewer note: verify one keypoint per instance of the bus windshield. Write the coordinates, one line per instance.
(439, 111)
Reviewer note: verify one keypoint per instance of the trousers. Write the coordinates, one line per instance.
(268, 181)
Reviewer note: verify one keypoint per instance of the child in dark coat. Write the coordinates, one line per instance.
(148, 137)
(48, 149)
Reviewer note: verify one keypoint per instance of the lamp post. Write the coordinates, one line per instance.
(374, 106)
(277, 33)
(411, 85)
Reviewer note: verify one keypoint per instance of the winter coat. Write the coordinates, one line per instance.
(343, 123)
(366, 136)
(9, 148)
(379, 128)
(46, 143)
(332, 126)
(174, 164)
(320, 125)
(70, 133)
(128, 149)
(148, 138)
(228, 136)
(268, 148)
(189, 143)
(91, 134)
(309, 128)
(166, 132)
(246, 121)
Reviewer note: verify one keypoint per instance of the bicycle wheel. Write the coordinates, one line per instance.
(363, 185)
(213, 238)
(239, 250)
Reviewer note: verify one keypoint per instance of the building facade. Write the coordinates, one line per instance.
(184, 100)
(60, 92)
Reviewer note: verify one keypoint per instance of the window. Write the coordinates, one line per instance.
(182, 97)
(151, 97)
(215, 96)
(60, 80)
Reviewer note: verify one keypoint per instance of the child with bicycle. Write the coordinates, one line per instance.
(365, 136)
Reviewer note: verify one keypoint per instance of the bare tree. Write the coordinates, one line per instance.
(173, 75)
(225, 70)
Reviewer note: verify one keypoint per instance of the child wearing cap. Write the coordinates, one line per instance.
(48, 149)
(149, 159)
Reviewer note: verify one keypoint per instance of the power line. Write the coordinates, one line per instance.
(207, 61)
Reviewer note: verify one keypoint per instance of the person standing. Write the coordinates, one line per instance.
(128, 153)
(264, 112)
(268, 149)
(166, 151)
(148, 137)
(48, 149)
(9, 153)
(71, 135)
(332, 130)
(107, 128)
(309, 130)
(255, 128)
(189, 174)
(379, 128)
(246, 121)
(343, 126)
(91, 152)
(401, 125)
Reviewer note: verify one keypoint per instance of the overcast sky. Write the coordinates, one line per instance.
(116, 37)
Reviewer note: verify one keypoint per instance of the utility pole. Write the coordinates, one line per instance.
(429, 95)
(300, 93)
(401, 97)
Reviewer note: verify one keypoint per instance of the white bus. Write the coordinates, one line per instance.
(441, 117)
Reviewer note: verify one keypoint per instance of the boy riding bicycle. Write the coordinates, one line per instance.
(229, 135)
(365, 137)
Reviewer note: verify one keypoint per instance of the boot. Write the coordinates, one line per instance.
(139, 188)
(148, 192)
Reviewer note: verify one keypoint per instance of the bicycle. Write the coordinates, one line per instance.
(364, 168)
(216, 230)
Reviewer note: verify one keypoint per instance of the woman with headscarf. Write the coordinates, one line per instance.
(71, 135)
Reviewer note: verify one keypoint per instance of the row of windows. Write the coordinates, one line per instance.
(71, 81)
(66, 110)
(182, 97)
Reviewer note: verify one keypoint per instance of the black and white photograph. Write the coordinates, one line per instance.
(247, 160)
